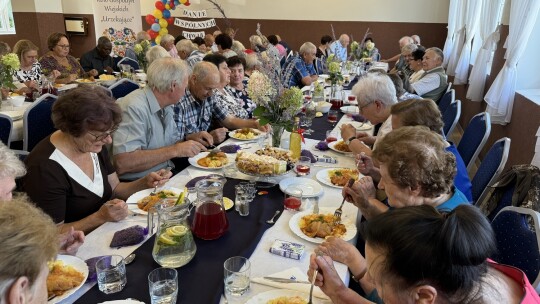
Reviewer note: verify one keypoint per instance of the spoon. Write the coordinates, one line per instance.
(271, 221)
(129, 259)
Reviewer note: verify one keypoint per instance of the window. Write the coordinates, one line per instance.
(7, 24)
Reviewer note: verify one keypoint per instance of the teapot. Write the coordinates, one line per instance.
(210, 221)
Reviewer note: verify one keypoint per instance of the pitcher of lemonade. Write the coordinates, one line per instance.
(174, 245)
(210, 221)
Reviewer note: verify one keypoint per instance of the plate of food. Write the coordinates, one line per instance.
(349, 109)
(263, 162)
(85, 80)
(209, 160)
(340, 147)
(316, 227)
(310, 188)
(361, 126)
(66, 275)
(338, 177)
(141, 201)
(282, 296)
(245, 134)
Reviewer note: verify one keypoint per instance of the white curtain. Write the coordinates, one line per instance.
(459, 37)
(449, 43)
(488, 37)
(500, 97)
(472, 18)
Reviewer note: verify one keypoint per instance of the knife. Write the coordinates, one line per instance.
(283, 280)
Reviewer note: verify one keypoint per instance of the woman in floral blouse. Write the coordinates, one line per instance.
(58, 59)
(237, 87)
(29, 74)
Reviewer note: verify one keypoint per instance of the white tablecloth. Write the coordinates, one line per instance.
(16, 115)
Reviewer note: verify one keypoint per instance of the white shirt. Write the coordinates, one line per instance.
(385, 128)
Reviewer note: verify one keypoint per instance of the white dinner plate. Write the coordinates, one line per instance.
(85, 81)
(264, 297)
(322, 176)
(333, 144)
(361, 126)
(294, 224)
(135, 197)
(257, 133)
(193, 161)
(80, 266)
(310, 188)
(349, 109)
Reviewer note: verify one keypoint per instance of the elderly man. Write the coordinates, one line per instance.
(375, 94)
(189, 52)
(339, 47)
(299, 70)
(403, 41)
(200, 106)
(99, 58)
(433, 83)
(147, 139)
(167, 42)
(130, 53)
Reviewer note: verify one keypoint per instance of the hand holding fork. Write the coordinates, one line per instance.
(338, 212)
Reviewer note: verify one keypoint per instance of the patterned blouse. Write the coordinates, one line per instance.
(33, 74)
(49, 63)
(233, 106)
(243, 99)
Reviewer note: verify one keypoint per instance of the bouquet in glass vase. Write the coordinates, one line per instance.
(140, 50)
(9, 63)
(276, 105)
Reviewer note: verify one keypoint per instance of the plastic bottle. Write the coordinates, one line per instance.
(295, 141)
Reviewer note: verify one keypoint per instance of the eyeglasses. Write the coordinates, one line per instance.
(103, 135)
(64, 46)
(360, 108)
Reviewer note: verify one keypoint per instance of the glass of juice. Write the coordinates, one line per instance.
(293, 198)
(303, 166)
(332, 116)
(331, 136)
(351, 98)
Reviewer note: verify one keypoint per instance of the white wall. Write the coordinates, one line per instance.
(43, 6)
(423, 11)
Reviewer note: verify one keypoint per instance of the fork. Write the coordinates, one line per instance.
(318, 253)
(154, 192)
(338, 212)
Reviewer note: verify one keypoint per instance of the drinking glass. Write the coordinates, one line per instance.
(163, 285)
(237, 272)
(303, 166)
(310, 113)
(111, 273)
(331, 136)
(332, 116)
(293, 198)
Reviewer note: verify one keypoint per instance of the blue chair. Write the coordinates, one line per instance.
(6, 125)
(474, 138)
(123, 87)
(446, 100)
(491, 167)
(450, 117)
(126, 60)
(37, 121)
(518, 242)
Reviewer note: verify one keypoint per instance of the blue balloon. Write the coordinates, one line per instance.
(166, 14)
(157, 20)
(155, 27)
(164, 1)
(176, 2)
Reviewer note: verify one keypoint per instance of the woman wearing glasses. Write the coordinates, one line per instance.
(70, 175)
(58, 59)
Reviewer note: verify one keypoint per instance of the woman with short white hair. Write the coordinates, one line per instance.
(10, 169)
(155, 52)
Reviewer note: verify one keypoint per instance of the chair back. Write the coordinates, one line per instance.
(491, 167)
(37, 121)
(123, 87)
(450, 117)
(474, 138)
(446, 100)
(6, 125)
(126, 60)
(518, 241)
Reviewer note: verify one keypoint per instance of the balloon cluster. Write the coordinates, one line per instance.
(161, 18)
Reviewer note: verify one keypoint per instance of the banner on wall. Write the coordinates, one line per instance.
(192, 35)
(194, 14)
(118, 20)
(195, 25)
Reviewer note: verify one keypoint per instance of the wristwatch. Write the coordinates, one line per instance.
(348, 141)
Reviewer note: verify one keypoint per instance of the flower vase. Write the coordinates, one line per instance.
(277, 132)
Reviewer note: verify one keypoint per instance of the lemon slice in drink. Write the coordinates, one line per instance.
(176, 230)
(166, 239)
(227, 203)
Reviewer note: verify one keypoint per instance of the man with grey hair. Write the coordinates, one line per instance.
(403, 41)
(434, 82)
(130, 53)
(189, 52)
(147, 138)
(167, 42)
(200, 107)
(11, 168)
(299, 70)
(155, 52)
(339, 47)
(375, 94)
(416, 39)
(99, 58)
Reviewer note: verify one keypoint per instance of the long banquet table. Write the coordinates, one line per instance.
(201, 281)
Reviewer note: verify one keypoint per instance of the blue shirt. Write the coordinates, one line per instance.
(461, 181)
(339, 51)
(296, 69)
(457, 199)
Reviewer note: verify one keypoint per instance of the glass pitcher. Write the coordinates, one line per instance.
(126, 71)
(174, 245)
(210, 221)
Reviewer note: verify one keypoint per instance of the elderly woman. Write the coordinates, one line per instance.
(252, 64)
(238, 48)
(322, 50)
(299, 70)
(10, 169)
(236, 87)
(29, 73)
(227, 101)
(402, 67)
(70, 175)
(256, 43)
(167, 42)
(420, 255)
(155, 52)
(58, 59)
(415, 64)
